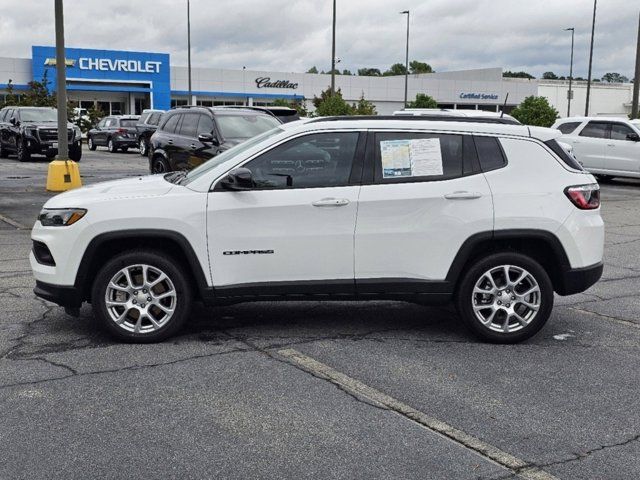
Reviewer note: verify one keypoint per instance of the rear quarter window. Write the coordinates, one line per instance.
(490, 154)
(565, 156)
(568, 127)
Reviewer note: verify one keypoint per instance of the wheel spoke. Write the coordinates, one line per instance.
(161, 278)
(520, 278)
(505, 325)
(139, 322)
(127, 275)
(122, 317)
(489, 320)
(534, 289)
(115, 286)
(164, 295)
(167, 310)
(532, 306)
(115, 303)
(522, 321)
(506, 275)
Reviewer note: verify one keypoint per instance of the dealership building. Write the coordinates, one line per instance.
(124, 82)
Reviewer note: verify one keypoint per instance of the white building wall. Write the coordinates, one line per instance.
(605, 99)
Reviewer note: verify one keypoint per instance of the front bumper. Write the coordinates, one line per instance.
(69, 297)
(37, 146)
(576, 280)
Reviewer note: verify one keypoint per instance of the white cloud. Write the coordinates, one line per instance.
(293, 35)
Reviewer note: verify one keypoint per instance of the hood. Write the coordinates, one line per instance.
(52, 125)
(138, 187)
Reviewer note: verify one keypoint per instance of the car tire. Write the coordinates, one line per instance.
(125, 149)
(510, 311)
(132, 317)
(51, 156)
(90, 143)
(3, 152)
(75, 153)
(143, 147)
(160, 165)
(22, 152)
(111, 146)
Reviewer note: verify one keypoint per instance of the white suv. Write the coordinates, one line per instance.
(607, 147)
(495, 217)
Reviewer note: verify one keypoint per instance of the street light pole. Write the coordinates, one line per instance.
(570, 93)
(636, 79)
(61, 84)
(189, 49)
(333, 51)
(593, 29)
(406, 62)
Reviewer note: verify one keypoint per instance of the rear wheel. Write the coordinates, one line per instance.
(125, 149)
(111, 146)
(505, 298)
(159, 165)
(91, 144)
(22, 151)
(142, 146)
(141, 296)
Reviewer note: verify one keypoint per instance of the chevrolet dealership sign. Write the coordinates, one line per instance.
(119, 65)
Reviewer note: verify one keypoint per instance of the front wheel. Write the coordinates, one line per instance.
(159, 165)
(91, 144)
(505, 298)
(111, 146)
(141, 296)
(22, 151)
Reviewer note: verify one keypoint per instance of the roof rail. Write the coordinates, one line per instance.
(429, 118)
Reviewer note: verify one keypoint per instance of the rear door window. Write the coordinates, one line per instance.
(170, 125)
(415, 156)
(596, 130)
(568, 127)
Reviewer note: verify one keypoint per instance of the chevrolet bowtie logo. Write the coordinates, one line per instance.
(51, 62)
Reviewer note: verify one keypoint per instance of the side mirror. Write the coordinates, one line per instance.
(13, 121)
(208, 138)
(634, 137)
(238, 179)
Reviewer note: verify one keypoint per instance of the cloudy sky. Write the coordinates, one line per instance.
(293, 35)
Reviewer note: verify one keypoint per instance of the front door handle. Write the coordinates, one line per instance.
(462, 195)
(170, 142)
(193, 146)
(331, 202)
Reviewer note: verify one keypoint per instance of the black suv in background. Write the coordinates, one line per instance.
(145, 127)
(114, 132)
(189, 136)
(284, 114)
(33, 130)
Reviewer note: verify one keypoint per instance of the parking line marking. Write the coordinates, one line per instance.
(13, 223)
(489, 452)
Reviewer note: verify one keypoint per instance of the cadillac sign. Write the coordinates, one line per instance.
(266, 82)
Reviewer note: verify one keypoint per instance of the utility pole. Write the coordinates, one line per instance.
(189, 50)
(593, 29)
(61, 84)
(636, 78)
(570, 92)
(333, 52)
(406, 61)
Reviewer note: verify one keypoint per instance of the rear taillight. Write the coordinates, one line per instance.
(585, 197)
(121, 130)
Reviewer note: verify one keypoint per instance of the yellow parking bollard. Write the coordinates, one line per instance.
(63, 175)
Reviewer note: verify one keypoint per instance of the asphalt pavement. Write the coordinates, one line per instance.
(316, 390)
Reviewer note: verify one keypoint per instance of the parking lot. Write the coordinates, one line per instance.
(317, 390)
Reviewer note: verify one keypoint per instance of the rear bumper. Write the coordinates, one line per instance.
(64, 296)
(576, 280)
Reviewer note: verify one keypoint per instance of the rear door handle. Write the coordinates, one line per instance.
(170, 142)
(193, 146)
(462, 195)
(611, 145)
(331, 202)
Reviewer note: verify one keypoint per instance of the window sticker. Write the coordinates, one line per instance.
(411, 158)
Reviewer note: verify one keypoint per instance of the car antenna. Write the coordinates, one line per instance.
(504, 105)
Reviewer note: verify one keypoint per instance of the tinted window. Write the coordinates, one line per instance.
(144, 117)
(564, 155)
(154, 119)
(489, 153)
(170, 125)
(205, 125)
(595, 130)
(245, 126)
(405, 156)
(189, 125)
(128, 122)
(620, 131)
(318, 160)
(568, 127)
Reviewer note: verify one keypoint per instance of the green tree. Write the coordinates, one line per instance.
(363, 107)
(549, 76)
(346, 72)
(312, 70)
(423, 101)
(328, 105)
(535, 111)
(395, 69)
(10, 97)
(510, 74)
(614, 77)
(419, 67)
(369, 72)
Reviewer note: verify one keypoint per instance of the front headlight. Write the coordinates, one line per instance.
(60, 217)
(31, 132)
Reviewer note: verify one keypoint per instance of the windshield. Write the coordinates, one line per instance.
(245, 126)
(38, 115)
(131, 122)
(228, 155)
